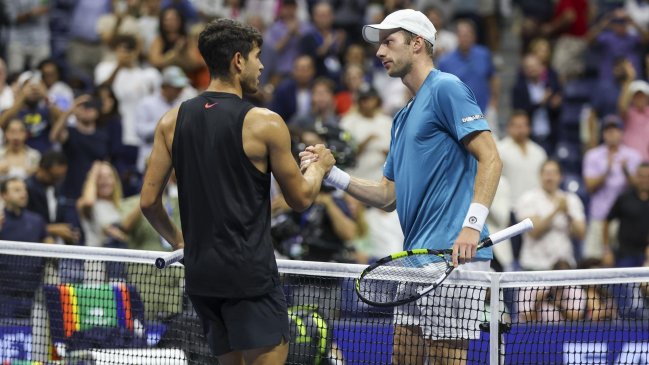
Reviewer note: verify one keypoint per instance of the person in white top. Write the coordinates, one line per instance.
(522, 158)
(558, 218)
(370, 128)
(130, 83)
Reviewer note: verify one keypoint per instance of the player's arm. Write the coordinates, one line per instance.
(483, 147)
(379, 194)
(299, 190)
(155, 180)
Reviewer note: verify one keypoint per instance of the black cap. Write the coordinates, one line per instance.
(367, 92)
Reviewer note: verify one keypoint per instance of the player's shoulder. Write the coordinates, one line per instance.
(168, 120)
(264, 118)
(445, 80)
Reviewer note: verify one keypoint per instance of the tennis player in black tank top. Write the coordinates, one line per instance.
(223, 150)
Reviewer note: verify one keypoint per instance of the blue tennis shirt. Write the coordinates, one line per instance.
(432, 170)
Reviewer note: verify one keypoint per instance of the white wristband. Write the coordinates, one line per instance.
(338, 178)
(476, 216)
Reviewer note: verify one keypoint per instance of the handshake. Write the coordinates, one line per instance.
(319, 155)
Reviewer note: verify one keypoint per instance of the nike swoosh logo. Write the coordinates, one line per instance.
(208, 105)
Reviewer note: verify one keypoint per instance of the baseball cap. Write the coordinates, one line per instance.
(367, 92)
(411, 20)
(639, 85)
(612, 120)
(174, 76)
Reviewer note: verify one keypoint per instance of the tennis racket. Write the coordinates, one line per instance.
(162, 262)
(406, 276)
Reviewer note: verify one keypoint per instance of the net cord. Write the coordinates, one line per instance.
(338, 270)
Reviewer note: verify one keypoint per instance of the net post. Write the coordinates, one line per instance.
(494, 321)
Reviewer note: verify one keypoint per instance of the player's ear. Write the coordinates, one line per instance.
(418, 44)
(237, 61)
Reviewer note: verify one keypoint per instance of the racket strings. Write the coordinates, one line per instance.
(401, 278)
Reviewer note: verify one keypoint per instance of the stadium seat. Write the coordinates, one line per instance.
(354, 307)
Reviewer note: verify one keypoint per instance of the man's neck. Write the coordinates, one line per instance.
(14, 209)
(613, 149)
(416, 77)
(225, 87)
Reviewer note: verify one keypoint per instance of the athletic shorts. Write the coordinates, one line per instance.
(450, 312)
(243, 323)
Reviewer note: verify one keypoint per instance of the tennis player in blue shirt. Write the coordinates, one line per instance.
(441, 175)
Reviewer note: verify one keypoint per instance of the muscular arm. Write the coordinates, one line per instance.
(299, 190)
(483, 147)
(155, 180)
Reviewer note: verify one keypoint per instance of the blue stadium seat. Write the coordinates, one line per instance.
(354, 307)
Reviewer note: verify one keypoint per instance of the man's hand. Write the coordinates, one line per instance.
(325, 158)
(465, 246)
(65, 231)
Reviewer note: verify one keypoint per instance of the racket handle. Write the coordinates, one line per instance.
(509, 232)
(162, 262)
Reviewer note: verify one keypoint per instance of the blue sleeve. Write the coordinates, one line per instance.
(388, 167)
(460, 112)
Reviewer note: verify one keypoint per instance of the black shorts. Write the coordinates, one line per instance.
(243, 323)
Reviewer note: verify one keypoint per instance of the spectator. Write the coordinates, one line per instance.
(130, 83)
(446, 40)
(6, 92)
(638, 10)
(121, 21)
(21, 276)
(370, 129)
(85, 48)
(111, 120)
(83, 143)
(522, 158)
(98, 206)
(292, 97)
(353, 81)
(569, 25)
(16, 158)
(632, 210)
(600, 301)
(613, 38)
(323, 108)
(148, 23)
(558, 217)
(634, 108)
(172, 46)
(472, 64)
(29, 32)
(174, 90)
(283, 38)
(45, 199)
(539, 95)
(552, 305)
(536, 14)
(604, 99)
(323, 43)
(607, 172)
(58, 92)
(32, 107)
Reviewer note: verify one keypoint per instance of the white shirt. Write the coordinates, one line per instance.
(369, 164)
(522, 170)
(385, 236)
(130, 86)
(555, 244)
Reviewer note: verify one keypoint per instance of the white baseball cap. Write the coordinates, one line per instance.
(639, 86)
(411, 20)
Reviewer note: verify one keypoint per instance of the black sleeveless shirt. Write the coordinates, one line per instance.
(224, 201)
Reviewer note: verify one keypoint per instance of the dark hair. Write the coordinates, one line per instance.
(644, 164)
(49, 61)
(518, 113)
(221, 40)
(126, 40)
(4, 185)
(326, 82)
(12, 121)
(52, 158)
(163, 33)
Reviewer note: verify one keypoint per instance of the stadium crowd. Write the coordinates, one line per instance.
(84, 82)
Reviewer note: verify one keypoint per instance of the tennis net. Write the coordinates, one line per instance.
(81, 305)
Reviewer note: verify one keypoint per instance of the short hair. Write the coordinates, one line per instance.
(326, 82)
(52, 158)
(409, 36)
(128, 41)
(644, 164)
(554, 161)
(12, 121)
(4, 185)
(221, 40)
(518, 113)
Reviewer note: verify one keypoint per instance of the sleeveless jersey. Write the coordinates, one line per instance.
(224, 201)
